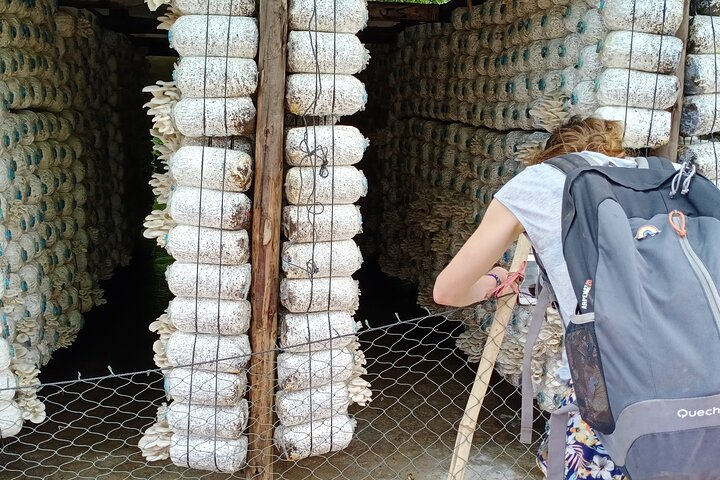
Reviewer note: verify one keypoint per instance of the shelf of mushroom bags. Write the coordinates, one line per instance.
(494, 81)
(64, 232)
(700, 122)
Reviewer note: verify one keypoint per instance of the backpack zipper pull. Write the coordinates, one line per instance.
(677, 221)
(686, 169)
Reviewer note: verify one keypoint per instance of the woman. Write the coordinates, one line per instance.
(530, 203)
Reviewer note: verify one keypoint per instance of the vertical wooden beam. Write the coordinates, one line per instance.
(267, 209)
(670, 150)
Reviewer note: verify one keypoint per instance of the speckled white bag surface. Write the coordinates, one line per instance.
(329, 145)
(227, 282)
(198, 35)
(209, 77)
(209, 315)
(207, 421)
(208, 453)
(314, 438)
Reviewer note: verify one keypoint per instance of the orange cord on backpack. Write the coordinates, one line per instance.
(678, 227)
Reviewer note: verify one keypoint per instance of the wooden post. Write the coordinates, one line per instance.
(468, 422)
(267, 209)
(670, 150)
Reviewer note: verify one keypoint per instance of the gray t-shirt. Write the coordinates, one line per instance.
(534, 196)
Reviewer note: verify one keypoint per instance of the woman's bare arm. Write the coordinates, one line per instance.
(463, 281)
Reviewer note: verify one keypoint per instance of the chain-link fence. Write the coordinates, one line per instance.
(420, 382)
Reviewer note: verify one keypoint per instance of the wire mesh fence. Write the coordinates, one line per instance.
(420, 382)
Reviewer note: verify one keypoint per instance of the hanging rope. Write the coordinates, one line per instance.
(657, 74)
(197, 258)
(630, 57)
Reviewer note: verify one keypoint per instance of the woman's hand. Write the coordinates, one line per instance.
(498, 275)
(465, 281)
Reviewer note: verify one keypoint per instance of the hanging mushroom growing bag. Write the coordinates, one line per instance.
(203, 122)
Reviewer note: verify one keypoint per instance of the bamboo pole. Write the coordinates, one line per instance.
(670, 150)
(466, 429)
(267, 209)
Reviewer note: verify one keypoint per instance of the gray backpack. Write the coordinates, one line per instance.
(642, 248)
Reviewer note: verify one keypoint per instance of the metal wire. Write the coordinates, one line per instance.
(630, 57)
(421, 381)
(657, 73)
(715, 98)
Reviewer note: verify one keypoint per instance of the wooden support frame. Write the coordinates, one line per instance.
(403, 12)
(670, 150)
(267, 210)
(112, 4)
(379, 34)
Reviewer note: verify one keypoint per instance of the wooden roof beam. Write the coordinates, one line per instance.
(403, 12)
(129, 25)
(111, 4)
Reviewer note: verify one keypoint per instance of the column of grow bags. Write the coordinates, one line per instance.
(28, 63)
(502, 67)
(97, 92)
(90, 218)
(700, 120)
(319, 371)
(49, 280)
(635, 81)
(116, 242)
(198, 122)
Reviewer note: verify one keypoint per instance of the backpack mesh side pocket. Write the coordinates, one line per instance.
(587, 376)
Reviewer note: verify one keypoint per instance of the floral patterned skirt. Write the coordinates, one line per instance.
(585, 456)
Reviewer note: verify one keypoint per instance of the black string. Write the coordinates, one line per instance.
(715, 99)
(197, 258)
(312, 209)
(332, 201)
(630, 55)
(222, 216)
(657, 73)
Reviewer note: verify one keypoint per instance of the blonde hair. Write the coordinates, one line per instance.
(592, 134)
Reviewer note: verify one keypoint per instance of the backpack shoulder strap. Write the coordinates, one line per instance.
(557, 440)
(659, 163)
(545, 296)
(568, 163)
(526, 412)
(572, 161)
